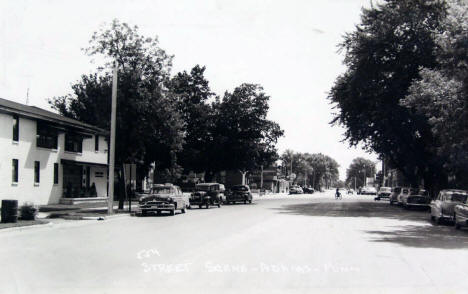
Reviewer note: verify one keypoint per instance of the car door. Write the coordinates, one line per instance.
(221, 192)
(435, 207)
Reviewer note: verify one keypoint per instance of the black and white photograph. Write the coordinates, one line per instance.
(234, 146)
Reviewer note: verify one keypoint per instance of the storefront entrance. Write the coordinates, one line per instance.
(72, 181)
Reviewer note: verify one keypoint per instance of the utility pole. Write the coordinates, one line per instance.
(110, 201)
(261, 176)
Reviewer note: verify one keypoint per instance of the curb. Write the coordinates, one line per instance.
(25, 228)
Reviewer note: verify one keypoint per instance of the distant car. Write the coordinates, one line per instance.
(384, 193)
(350, 191)
(165, 197)
(394, 195)
(308, 190)
(443, 207)
(405, 192)
(296, 190)
(369, 190)
(239, 193)
(418, 198)
(461, 215)
(208, 194)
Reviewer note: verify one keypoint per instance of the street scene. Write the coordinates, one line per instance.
(279, 243)
(251, 146)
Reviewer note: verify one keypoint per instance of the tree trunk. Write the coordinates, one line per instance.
(243, 176)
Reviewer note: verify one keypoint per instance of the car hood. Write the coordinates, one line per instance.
(156, 197)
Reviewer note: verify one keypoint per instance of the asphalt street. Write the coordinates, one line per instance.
(278, 244)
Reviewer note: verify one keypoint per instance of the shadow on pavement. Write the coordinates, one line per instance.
(430, 236)
(423, 234)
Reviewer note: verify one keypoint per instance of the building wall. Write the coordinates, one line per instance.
(25, 150)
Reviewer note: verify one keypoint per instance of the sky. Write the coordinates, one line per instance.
(288, 47)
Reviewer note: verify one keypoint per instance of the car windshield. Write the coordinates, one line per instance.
(162, 190)
(397, 190)
(459, 197)
(205, 188)
(385, 189)
(240, 188)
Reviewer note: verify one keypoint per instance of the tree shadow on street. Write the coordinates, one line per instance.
(423, 234)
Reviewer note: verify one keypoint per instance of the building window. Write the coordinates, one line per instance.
(46, 137)
(56, 173)
(96, 143)
(73, 143)
(37, 174)
(15, 128)
(14, 170)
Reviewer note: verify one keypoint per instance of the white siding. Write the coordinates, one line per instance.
(26, 152)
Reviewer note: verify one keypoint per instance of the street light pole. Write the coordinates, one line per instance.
(110, 200)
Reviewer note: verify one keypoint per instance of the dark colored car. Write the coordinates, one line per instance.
(308, 190)
(208, 194)
(418, 198)
(239, 193)
(163, 198)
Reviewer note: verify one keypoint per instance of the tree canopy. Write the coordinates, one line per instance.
(149, 128)
(383, 56)
(359, 169)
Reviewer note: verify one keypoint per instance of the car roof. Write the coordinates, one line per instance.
(454, 190)
(207, 184)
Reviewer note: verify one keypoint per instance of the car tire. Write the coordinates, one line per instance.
(219, 204)
(158, 212)
(189, 207)
(200, 206)
(182, 210)
(172, 212)
(207, 205)
(143, 213)
(250, 201)
(245, 201)
(391, 202)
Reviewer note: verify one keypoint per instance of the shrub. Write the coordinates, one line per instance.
(28, 211)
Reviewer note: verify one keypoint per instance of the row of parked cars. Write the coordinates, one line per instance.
(295, 189)
(170, 198)
(450, 205)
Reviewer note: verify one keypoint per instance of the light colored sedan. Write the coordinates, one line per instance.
(443, 207)
(461, 215)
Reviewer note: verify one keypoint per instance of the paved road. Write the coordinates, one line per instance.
(279, 244)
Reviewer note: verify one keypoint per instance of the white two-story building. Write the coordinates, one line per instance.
(46, 158)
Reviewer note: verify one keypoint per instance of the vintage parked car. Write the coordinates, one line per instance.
(308, 190)
(369, 190)
(160, 198)
(405, 192)
(207, 194)
(239, 193)
(443, 207)
(384, 193)
(461, 215)
(296, 190)
(418, 198)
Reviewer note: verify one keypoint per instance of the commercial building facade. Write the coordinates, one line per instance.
(47, 158)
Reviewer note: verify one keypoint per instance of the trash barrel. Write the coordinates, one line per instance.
(9, 211)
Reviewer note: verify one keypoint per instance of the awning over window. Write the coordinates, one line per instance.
(75, 162)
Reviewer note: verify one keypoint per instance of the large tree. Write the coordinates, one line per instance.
(243, 137)
(440, 95)
(192, 93)
(149, 128)
(359, 169)
(317, 170)
(383, 56)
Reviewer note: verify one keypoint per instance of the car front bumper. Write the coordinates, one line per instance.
(157, 207)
